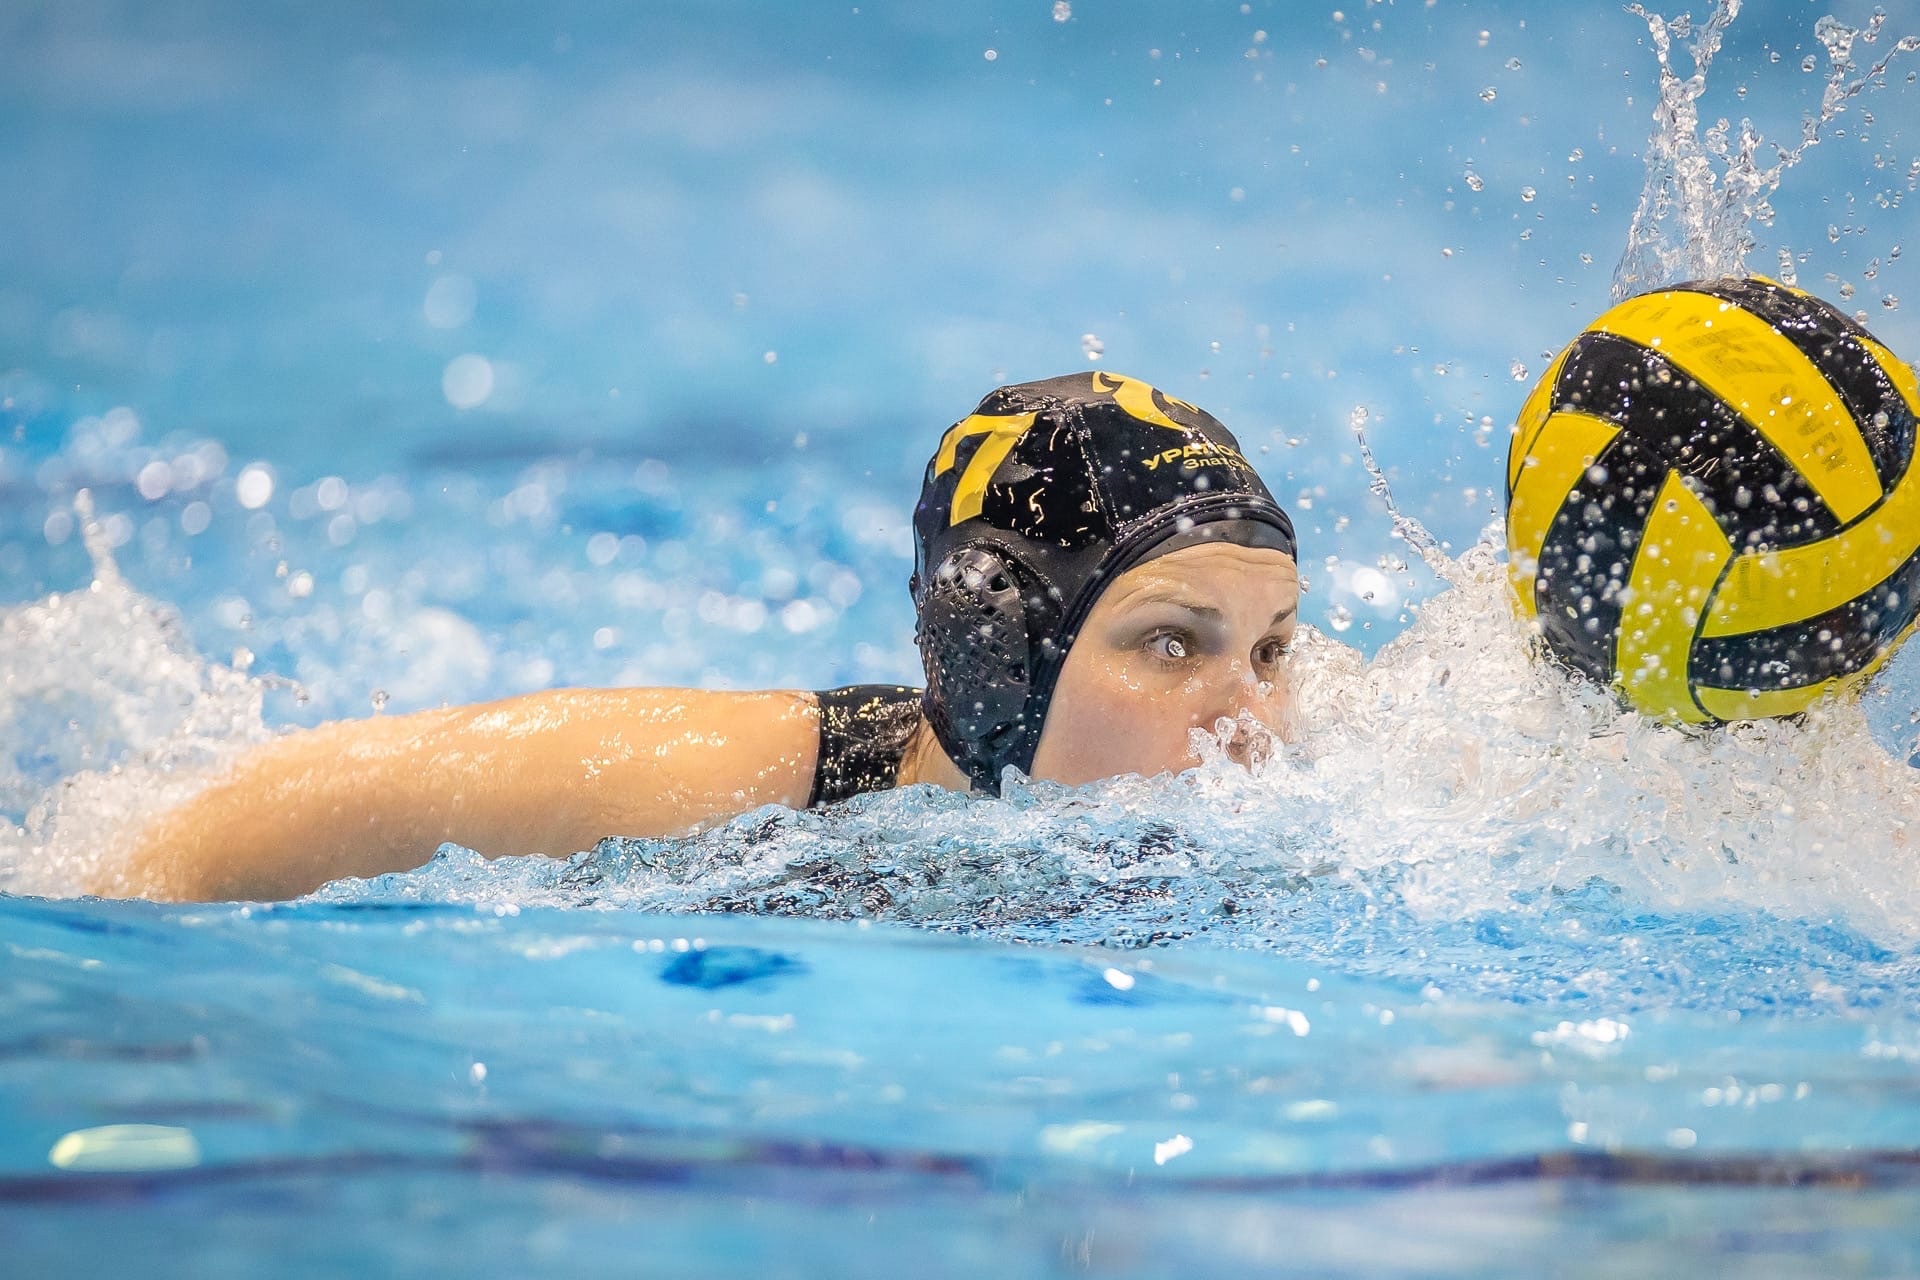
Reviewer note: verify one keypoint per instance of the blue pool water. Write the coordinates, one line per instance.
(416, 359)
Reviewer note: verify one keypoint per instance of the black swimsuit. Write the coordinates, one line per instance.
(864, 731)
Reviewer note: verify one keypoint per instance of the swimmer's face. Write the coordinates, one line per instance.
(1174, 645)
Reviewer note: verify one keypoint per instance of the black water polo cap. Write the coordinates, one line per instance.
(1033, 503)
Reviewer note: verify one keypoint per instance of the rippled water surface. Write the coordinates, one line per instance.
(594, 351)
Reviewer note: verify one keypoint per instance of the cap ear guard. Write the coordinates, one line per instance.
(978, 653)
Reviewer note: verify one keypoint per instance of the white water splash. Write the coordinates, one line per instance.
(1706, 191)
(110, 715)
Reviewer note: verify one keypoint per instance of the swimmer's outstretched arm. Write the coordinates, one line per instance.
(545, 773)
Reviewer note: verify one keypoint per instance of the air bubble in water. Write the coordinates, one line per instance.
(1513, 64)
(1339, 617)
(1062, 10)
(1527, 194)
(1808, 63)
(1474, 181)
(1890, 302)
(1518, 370)
(379, 698)
(1488, 94)
(1092, 348)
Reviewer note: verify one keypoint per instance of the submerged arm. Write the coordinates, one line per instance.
(544, 773)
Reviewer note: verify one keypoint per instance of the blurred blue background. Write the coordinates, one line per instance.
(704, 258)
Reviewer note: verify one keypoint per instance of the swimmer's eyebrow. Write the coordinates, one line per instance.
(1170, 595)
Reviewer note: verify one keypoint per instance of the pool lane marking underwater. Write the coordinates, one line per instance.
(687, 1159)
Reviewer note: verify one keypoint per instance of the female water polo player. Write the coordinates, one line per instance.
(1098, 572)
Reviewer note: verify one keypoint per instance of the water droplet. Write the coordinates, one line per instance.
(1092, 348)
(1527, 194)
(1518, 370)
(1786, 273)
(1062, 10)
(1488, 94)
(467, 381)
(254, 486)
(1475, 182)
(450, 301)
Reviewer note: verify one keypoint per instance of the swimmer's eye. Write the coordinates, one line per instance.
(1272, 653)
(1171, 646)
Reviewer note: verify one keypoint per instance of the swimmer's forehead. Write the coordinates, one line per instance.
(1212, 580)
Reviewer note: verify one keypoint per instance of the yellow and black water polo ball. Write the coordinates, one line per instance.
(1712, 505)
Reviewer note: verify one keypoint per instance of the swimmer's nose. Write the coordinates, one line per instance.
(1240, 692)
(1248, 740)
(1251, 716)
(1238, 717)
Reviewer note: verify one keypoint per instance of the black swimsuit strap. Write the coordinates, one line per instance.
(864, 731)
